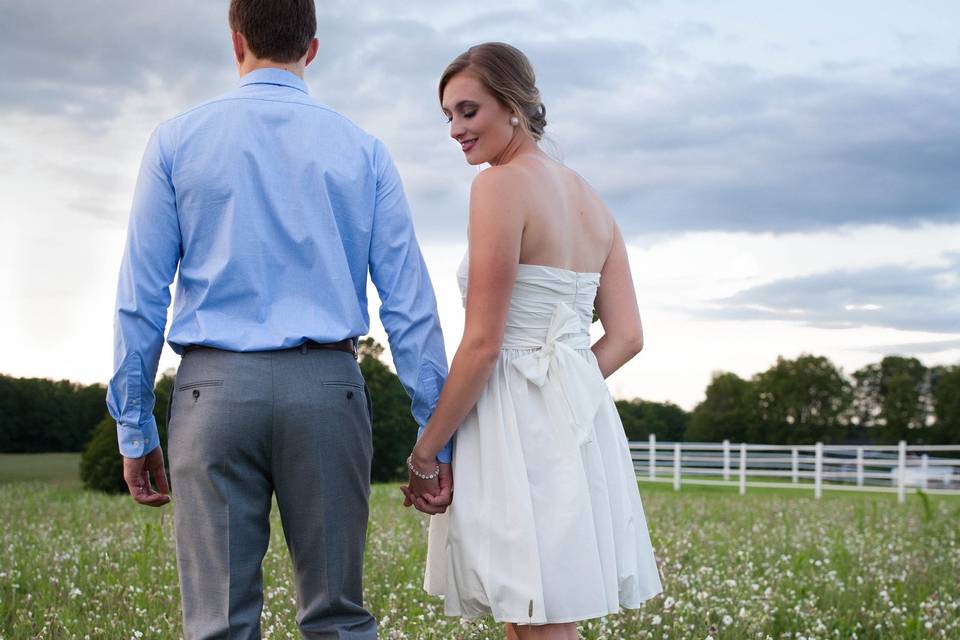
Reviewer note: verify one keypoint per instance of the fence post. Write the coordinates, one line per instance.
(795, 465)
(743, 468)
(902, 472)
(652, 471)
(676, 466)
(726, 459)
(818, 471)
(924, 462)
(859, 466)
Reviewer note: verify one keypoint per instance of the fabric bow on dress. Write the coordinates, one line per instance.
(578, 384)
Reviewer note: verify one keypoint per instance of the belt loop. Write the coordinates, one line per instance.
(303, 348)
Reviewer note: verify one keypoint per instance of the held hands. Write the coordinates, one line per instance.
(136, 473)
(429, 496)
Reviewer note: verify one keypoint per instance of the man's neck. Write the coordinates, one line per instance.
(252, 64)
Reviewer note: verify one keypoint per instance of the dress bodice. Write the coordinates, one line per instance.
(542, 300)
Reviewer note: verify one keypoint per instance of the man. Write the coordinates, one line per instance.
(273, 207)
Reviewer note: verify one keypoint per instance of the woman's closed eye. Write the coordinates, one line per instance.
(449, 119)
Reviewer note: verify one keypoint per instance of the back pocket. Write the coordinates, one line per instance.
(201, 383)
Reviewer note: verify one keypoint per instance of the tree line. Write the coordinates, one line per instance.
(803, 400)
(809, 399)
(40, 416)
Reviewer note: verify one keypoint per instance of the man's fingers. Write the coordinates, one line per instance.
(163, 485)
(132, 487)
(132, 472)
(446, 481)
(423, 487)
(425, 507)
(143, 493)
(136, 473)
(441, 500)
(153, 462)
(152, 499)
(446, 495)
(429, 496)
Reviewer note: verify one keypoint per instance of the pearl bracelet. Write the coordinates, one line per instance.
(413, 470)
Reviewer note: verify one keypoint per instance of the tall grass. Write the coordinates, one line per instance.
(75, 564)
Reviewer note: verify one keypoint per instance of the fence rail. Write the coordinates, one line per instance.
(899, 468)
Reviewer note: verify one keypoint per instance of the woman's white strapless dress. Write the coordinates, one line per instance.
(546, 524)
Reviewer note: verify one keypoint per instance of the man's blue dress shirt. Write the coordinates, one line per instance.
(275, 207)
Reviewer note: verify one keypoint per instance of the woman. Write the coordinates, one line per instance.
(547, 527)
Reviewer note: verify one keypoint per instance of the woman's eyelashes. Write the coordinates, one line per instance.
(449, 119)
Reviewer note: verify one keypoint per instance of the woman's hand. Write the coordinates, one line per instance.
(429, 496)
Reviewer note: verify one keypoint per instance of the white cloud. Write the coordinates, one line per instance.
(686, 116)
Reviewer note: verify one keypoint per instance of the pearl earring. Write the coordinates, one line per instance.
(514, 120)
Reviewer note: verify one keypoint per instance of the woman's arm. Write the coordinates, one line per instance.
(496, 229)
(616, 306)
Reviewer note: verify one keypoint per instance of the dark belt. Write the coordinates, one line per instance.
(346, 345)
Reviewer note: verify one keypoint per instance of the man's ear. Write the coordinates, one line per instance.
(239, 46)
(312, 51)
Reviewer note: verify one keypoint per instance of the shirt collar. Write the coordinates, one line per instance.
(273, 75)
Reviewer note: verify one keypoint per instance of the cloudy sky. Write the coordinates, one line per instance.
(787, 175)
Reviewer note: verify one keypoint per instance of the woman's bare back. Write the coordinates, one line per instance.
(567, 224)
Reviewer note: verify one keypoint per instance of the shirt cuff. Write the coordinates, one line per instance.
(138, 441)
(445, 455)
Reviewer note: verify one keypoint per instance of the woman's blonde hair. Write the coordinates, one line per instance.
(508, 75)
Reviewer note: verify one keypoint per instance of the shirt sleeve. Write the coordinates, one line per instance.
(150, 260)
(408, 308)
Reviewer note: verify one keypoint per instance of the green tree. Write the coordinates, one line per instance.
(801, 401)
(727, 413)
(394, 429)
(892, 398)
(945, 392)
(89, 409)
(640, 418)
(39, 415)
(11, 416)
(101, 467)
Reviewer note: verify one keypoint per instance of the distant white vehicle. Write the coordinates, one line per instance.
(931, 477)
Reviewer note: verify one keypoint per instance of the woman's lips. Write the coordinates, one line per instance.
(466, 145)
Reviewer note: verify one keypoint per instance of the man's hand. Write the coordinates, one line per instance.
(430, 496)
(136, 473)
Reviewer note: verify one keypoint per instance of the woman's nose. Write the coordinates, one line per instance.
(456, 129)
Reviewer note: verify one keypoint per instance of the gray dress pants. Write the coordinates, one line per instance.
(242, 427)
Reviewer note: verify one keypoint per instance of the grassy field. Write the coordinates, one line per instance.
(773, 564)
(55, 468)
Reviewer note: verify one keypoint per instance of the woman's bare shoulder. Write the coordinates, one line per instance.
(588, 193)
(500, 176)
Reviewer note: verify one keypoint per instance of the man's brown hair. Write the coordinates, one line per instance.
(277, 30)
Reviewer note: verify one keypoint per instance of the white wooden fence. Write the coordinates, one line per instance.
(901, 468)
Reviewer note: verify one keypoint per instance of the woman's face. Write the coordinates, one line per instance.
(478, 121)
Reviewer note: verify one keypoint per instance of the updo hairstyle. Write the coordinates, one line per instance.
(508, 75)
